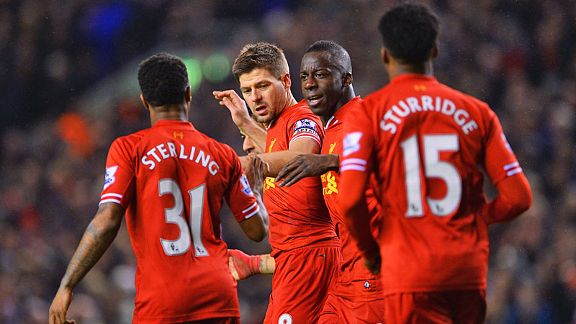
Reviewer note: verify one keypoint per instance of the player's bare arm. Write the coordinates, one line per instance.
(240, 116)
(96, 239)
(244, 266)
(307, 165)
(256, 227)
(275, 161)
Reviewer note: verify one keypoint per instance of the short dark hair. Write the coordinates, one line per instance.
(260, 55)
(163, 79)
(337, 52)
(409, 31)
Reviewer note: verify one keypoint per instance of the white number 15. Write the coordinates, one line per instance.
(433, 168)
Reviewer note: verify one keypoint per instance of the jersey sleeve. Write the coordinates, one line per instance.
(239, 195)
(120, 175)
(355, 168)
(358, 141)
(306, 127)
(499, 159)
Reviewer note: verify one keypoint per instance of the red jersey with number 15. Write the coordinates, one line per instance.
(431, 144)
(298, 216)
(171, 179)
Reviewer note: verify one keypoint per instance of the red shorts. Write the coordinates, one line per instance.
(223, 320)
(354, 302)
(300, 284)
(219, 320)
(458, 306)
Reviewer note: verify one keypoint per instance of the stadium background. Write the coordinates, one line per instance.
(68, 88)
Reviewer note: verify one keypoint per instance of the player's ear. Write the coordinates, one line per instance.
(286, 81)
(188, 95)
(144, 102)
(347, 79)
(434, 53)
(384, 55)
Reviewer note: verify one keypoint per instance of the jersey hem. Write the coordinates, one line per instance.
(399, 290)
(185, 318)
(330, 242)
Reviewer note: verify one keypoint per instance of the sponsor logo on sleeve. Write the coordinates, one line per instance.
(305, 126)
(109, 178)
(246, 186)
(351, 143)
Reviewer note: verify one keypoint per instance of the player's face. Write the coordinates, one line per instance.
(265, 94)
(248, 146)
(321, 82)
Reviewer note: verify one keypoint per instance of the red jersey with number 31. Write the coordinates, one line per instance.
(171, 180)
(429, 145)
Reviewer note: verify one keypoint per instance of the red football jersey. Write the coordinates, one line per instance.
(171, 179)
(428, 145)
(352, 266)
(298, 216)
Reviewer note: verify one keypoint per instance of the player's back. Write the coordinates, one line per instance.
(430, 144)
(180, 178)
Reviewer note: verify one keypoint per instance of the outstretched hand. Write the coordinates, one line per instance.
(242, 265)
(304, 165)
(59, 307)
(237, 107)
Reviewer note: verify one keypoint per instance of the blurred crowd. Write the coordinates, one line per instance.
(518, 55)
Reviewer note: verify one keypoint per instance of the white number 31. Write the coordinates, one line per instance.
(174, 216)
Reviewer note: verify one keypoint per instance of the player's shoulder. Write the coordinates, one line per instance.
(349, 109)
(300, 111)
(128, 142)
(468, 99)
(221, 148)
(215, 146)
(221, 151)
(377, 97)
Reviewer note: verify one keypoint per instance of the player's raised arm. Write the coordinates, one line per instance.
(514, 194)
(240, 116)
(96, 239)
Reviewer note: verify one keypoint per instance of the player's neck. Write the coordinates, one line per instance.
(291, 100)
(395, 70)
(176, 113)
(347, 95)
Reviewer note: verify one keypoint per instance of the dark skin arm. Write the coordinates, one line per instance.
(275, 161)
(307, 165)
(96, 239)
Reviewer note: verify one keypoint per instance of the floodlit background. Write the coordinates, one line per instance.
(68, 88)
